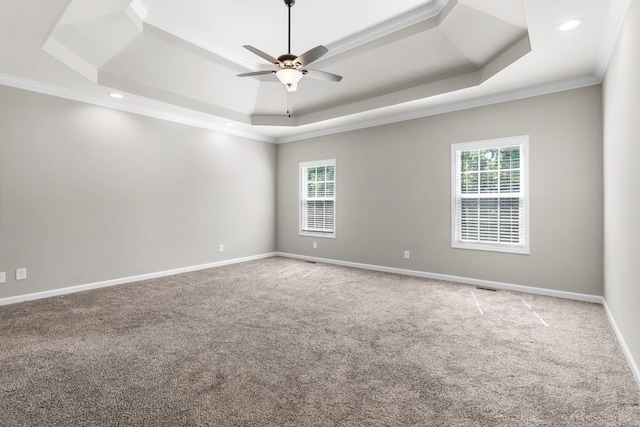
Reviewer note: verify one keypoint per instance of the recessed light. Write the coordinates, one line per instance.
(116, 95)
(228, 124)
(569, 25)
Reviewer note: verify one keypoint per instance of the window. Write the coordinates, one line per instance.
(317, 198)
(490, 201)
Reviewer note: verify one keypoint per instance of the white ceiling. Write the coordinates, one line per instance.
(400, 59)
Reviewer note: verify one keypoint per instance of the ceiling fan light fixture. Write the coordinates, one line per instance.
(289, 77)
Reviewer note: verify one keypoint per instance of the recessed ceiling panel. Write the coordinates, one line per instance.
(425, 57)
(408, 62)
(171, 57)
(480, 37)
(84, 10)
(510, 11)
(178, 52)
(263, 23)
(98, 39)
(158, 64)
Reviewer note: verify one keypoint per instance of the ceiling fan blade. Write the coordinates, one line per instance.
(311, 55)
(322, 75)
(257, 73)
(261, 54)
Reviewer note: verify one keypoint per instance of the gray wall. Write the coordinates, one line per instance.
(621, 90)
(90, 194)
(393, 193)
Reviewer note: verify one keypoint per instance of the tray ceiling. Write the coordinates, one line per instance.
(182, 58)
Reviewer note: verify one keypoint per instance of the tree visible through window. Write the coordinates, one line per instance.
(490, 203)
(317, 198)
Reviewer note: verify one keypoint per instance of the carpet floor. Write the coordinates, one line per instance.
(282, 342)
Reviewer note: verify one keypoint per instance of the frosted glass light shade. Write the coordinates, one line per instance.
(289, 77)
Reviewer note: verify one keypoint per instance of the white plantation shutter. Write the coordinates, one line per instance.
(489, 197)
(317, 198)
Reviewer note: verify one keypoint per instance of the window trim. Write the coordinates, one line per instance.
(303, 166)
(522, 141)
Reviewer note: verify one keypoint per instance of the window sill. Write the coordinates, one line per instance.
(491, 248)
(318, 234)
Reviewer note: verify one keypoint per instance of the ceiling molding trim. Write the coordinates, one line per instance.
(47, 89)
(135, 11)
(404, 20)
(139, 9)
(407, 19)
(386, 102)
(156, 21)
(615, 21)
(167, 97)
(33, 86)
(513, 95)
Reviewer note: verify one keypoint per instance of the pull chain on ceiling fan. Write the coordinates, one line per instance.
(292, 68)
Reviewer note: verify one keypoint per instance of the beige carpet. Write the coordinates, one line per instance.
(280, 342)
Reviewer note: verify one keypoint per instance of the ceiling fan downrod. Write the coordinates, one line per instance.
(288, 58)
(289, 4)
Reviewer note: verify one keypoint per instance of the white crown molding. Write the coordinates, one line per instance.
(31, 85)
(617, 13)
(448, 108)
(47, 89)
(387, 27)
(139, 9)
(399, 22)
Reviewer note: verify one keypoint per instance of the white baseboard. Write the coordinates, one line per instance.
(632, 363)
(123, 280)
(465, 280)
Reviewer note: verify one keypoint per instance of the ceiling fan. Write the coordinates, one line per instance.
(291, 68)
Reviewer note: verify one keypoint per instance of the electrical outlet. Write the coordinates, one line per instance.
(221, 248)
(3, 277)
(315, 245)
(407, 255)
(21, 273)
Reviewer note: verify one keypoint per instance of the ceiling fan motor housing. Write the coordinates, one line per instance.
(288, 61)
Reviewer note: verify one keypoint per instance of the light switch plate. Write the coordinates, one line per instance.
(21, 273)
(3, 277)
